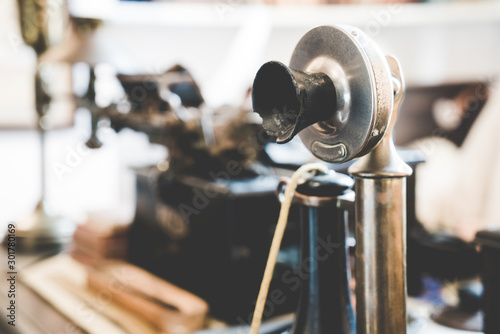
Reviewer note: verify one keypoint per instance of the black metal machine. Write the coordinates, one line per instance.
(204, 218)
(211, 237)
(325, 298)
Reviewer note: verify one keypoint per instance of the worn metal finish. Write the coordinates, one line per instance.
(380, 255)
(384, 160)
(380, 210)
(345, 201)
(369, 89)
(363, 85)
(337, 128)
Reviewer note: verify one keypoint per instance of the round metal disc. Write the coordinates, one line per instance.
(362, 79)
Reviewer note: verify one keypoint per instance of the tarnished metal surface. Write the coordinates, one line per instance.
(380, 255)
(380, 210)
(384, 161)
(361, 77)
(369, 88)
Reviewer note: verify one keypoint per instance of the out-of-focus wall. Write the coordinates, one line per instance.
(435, 42)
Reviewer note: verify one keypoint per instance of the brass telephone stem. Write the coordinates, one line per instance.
(380, 255)
(380, 210)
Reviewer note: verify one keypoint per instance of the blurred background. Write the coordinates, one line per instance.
(103, 104)
(222, 44)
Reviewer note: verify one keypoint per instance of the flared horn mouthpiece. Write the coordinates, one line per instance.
(289, 101)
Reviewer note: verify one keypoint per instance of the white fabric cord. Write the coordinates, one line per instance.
(278, 236)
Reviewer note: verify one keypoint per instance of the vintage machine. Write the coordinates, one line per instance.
(196, 223)
(342, 95)
(47, 28)
(205, 216)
